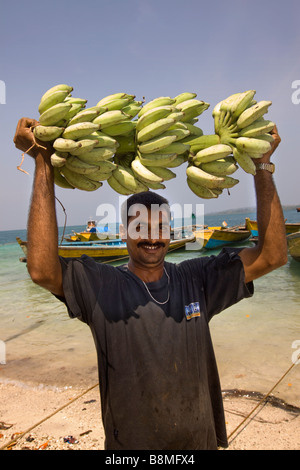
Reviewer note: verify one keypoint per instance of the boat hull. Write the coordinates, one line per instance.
(105, 250)
(293, 242)
(289, 228)
(216, 237)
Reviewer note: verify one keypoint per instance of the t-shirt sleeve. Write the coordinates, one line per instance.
(82, 280)
(224, 281)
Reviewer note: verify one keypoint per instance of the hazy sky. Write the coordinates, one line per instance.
(148, 48)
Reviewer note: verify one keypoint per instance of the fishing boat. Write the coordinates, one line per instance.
(293, 241)
(252, 226)
(215, 237)
(103, 250)
(91, 233)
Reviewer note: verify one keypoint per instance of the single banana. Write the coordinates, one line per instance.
(99, 175)
(179, 133)
(261, 126)
(143, 173)
(176, 147)
(251, 115)
(114, 96)
(54, 114)
(156, 144)
(192, 109)
(202, 178)
(164, 173)
(155, 129)
(184, 97)
(47, 133)
(215, 152)
(75, 108)
(244, 161)
(179, 160)
(61, 87)
(53, 98)
(157, 102)
(221, 167)
(58, 160)
(125, 127)
(60, 180)
(237, 103)
(125, 178)
(82, 129)
(80, 181)
(157, 159)
(78, 166)
(72, 100)
(156, 185)
(86, 146)
(194, 130)
(116, 186)
(228, 182)
(86, 115)
(65, 145)
(267, 137)
(153, 115)
(107, 166)
(132, 109)
(103, 140)
(255, 147)
(118, 103)
(201, 191)
(110, 118)
(202, 142)
(141, 186)
(97, 155)
(242, 103)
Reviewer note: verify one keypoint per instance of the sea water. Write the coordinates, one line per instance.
(255, 340)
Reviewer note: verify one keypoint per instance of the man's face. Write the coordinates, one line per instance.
(148, 236)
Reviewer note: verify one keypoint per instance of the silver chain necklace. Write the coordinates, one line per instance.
(166, 301)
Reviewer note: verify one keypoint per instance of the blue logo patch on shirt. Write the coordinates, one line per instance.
(192, 310)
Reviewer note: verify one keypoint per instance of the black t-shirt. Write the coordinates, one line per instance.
(158, 376)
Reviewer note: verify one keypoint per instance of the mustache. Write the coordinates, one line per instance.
(145, 243)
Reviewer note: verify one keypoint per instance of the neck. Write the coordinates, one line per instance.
(147, 273)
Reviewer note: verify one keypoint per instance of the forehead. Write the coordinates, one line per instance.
(155, 214)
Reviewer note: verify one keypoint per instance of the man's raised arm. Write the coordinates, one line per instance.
(271, 250)
(42, 234)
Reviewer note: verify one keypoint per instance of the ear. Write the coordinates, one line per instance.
(123, 232)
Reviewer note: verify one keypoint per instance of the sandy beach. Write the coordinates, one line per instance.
(77, 425)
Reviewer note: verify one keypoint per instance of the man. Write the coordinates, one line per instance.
(159, 382)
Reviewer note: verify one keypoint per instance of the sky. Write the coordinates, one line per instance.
(151, 49)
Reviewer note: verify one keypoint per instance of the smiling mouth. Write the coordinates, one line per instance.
(151, 246)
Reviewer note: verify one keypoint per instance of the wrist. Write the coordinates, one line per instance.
(265, 167)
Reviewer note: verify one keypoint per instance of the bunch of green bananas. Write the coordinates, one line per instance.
(83, 153)
(135, 145)
(241, 135)
(161, 126)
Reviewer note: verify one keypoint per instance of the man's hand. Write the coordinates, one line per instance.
(26, 142)
(276, 141)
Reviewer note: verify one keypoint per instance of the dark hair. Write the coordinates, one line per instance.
(146, 198)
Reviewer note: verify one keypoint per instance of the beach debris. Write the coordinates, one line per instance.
(70, 440)
(43, 446)
(5, 426)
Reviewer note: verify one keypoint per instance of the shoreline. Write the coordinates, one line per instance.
(69, 418)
